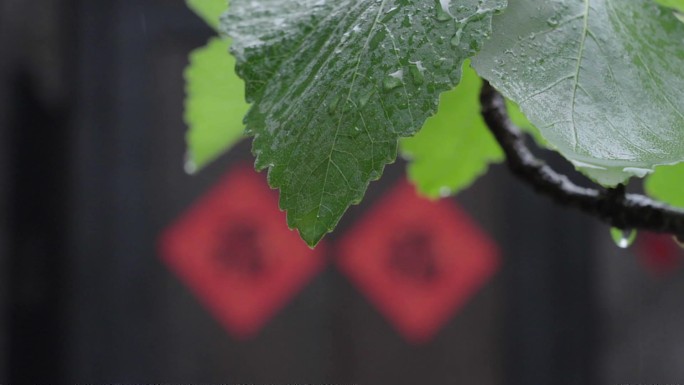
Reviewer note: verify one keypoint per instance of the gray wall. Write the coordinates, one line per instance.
(5, 46)
(642, 316)
(116, 68)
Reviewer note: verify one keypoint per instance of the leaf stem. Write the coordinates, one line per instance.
(613, 206)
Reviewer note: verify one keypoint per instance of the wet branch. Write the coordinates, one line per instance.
(613, 206)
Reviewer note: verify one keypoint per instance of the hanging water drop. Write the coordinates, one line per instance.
(623, 238)
(445, 191)
(190, 167)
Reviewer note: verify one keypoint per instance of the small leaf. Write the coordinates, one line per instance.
(667, 184)
(674, 4)
(336, 83)
(454, 147)
(209, 10)
(602, 80)
(214, 104)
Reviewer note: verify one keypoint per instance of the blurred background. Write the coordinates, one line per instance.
(117, 266)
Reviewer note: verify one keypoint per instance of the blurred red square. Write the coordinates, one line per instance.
(418, 261)
(233, 249)
(659, 253)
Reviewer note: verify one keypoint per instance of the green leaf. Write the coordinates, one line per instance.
(602, 80)
(667, 184)
(335, 83)
(520, 120)
(214, 104)
(675, 4)
(454, 147)
(209, 10)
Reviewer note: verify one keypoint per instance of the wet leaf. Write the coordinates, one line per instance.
(667, 184)
(602, 80)
(336, 83)
(454, 147)
(520, 120)
(674, 4)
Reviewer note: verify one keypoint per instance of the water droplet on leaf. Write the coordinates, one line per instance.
(442, 10)
(456, 39)
(393, 80)
(363, 99)
(416, 69)
(390, 14)
(332, 107)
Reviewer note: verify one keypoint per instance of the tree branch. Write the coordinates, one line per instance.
(612, 206)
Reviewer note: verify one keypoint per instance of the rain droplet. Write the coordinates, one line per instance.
(416, 69)
(552, 22)
(390, 14)
(393, 80)
(377, 38)
(363, 99)
(190, 167)
(332, 107)
(456, 39)
(638, 171)
(442, 10)
(623, 238)
(406, 22)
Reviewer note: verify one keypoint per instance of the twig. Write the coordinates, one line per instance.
(612, 206)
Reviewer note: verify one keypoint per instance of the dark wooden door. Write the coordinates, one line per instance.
(116, 313)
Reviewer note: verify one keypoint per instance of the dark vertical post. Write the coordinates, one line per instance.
(550, 298)
(35, 189)
(4, 123)
(36, 265)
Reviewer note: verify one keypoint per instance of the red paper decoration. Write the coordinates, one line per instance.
(234, 251)
(418, 261)
(659, 253)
